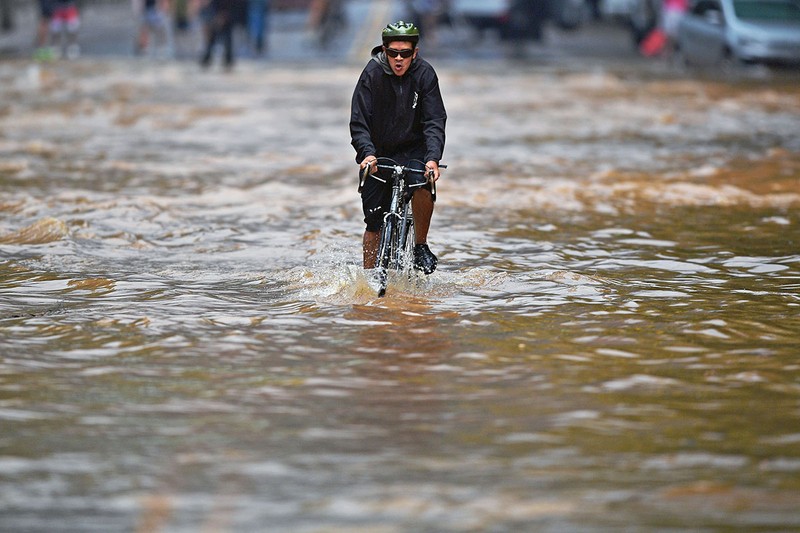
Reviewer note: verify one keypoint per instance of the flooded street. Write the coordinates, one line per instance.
(189, 344)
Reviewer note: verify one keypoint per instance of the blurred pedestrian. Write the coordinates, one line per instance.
(64, 24)
(326, 19)
(258, 25)
(43, 51)
(6, 15)
(425, 14)
(221, 16)
(181, 14)
(43, 29)
(526, 20)
(661, 40)
(154, 21)
(672, 11)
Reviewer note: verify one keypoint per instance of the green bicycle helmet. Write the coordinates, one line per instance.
(400, 31)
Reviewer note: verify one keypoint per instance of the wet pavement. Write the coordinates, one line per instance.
(188, 343)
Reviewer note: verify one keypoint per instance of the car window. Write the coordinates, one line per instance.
(770, 10)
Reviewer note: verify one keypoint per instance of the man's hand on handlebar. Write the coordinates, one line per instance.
(432, 171)
(372, 161)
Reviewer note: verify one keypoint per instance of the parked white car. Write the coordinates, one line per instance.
(728, 32)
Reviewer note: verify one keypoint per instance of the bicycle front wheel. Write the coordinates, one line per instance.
(405, 240)
(386, 252)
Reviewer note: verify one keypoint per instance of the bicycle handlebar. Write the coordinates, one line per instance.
(365, 173)
(407, 169)
(403, 168)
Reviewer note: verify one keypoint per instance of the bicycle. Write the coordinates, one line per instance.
(395, 249)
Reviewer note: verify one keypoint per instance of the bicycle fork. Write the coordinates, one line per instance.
(392, 223)
(390, 250)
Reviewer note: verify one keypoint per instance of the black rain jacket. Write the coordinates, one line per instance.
(393, 115)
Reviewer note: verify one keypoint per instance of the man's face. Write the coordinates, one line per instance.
(400, 64)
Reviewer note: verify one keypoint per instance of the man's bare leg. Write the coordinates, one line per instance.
(422, 206)
(372, 240)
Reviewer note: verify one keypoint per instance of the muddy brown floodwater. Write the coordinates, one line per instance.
(612, 341)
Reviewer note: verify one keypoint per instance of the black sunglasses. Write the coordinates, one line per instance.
(405, 54)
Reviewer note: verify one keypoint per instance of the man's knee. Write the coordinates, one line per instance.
(423, 194)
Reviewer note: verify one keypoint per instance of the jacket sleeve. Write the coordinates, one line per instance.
(360, 114)
(434, 118)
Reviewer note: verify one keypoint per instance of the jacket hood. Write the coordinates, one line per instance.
(379, 56)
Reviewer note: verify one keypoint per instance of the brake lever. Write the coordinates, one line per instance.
(362, 177)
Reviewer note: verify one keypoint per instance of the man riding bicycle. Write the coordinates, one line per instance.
(398, 112)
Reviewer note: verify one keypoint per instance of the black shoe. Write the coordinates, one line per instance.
(424, 259)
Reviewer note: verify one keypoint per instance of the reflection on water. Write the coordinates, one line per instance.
(189, 344)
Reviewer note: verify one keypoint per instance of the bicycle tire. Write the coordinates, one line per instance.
(385, 253)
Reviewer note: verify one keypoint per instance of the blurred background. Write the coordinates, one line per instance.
(293, 30)
(711, 33)
(308, 29)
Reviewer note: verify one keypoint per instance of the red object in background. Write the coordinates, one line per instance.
(654, 43)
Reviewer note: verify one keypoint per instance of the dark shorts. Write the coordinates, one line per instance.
(376, 195)
(46, 8)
